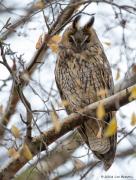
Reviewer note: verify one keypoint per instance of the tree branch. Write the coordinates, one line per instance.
(112, 103)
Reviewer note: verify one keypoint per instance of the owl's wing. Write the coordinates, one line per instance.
(62, 96)
(108, 157)
(108, 73)
(89, 129)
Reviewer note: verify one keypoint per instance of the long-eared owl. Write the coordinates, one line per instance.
(82, 70)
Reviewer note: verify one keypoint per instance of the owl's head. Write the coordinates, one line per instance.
(79, 38)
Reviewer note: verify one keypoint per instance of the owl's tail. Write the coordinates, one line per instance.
(104, 148)
(109, 156)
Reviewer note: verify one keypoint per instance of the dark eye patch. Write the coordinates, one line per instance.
(88, 40)
(71, 39)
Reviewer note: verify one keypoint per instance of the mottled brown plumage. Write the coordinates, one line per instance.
(82, 70)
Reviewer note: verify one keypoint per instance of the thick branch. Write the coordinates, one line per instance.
(112, 103)
(56, 157)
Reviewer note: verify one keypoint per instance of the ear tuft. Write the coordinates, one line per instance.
(90, 23)
(75, 21)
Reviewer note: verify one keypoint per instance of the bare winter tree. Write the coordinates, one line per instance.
(38, 139)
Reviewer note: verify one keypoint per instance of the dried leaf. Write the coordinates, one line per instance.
(39, 42)
(64, 103)
(78, 164)
(133, 119)
(15, 131)
(55, 39)
(107, 43)
(117, 74)
(40, 4)
(111, 128)
(53, 43)
(99, 135)
(134, 68)
(55, 120)
(1, 109)
(100, 112)
(133, 93)
(54, 47)
(13, 153)
(102, 93)
(26, 153)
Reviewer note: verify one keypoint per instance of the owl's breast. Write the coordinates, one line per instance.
(80, 78)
